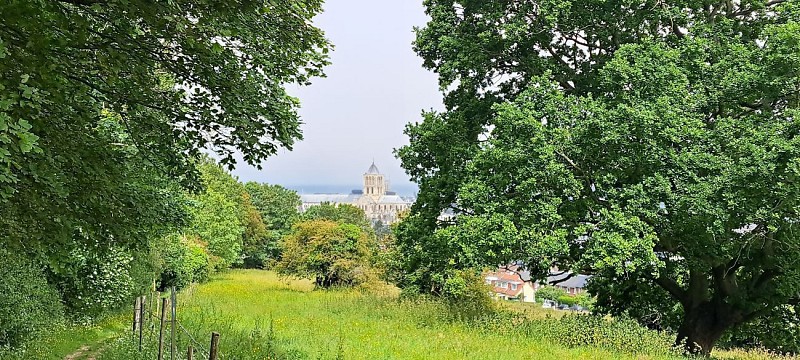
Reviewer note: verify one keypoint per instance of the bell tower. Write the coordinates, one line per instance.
(374, 184)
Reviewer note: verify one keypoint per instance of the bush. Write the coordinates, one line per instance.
(186, 261)
(550, 292)
(28, 303)
(585, 300)
(566, 299)
(94, 280)
(468, 295)
(332, 254)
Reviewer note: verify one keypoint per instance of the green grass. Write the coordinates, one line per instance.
(64, 341)
(262, 316)
(351, 325)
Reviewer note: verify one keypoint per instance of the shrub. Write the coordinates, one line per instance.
(186, 261)
(326, 251)
(585, 300)
(94, 280)
(468, 295)
(566, 299)
(28, 303)
(550, 293)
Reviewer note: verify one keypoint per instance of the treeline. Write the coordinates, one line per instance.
(106, 109)
(193, 235)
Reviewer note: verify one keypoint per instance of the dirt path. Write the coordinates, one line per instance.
(88, 352)
(78, 353)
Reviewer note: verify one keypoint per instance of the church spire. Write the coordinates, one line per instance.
(373, 169)
(374, 184)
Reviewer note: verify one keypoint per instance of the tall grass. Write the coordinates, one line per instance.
(263, 316)
(260, 315)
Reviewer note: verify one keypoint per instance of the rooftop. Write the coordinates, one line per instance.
(373, 169)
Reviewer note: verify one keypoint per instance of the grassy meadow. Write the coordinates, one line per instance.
(263, 316)
(349, 324)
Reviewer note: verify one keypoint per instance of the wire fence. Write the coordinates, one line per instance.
(145, 309)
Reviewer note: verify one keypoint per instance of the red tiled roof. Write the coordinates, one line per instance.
(508, 277)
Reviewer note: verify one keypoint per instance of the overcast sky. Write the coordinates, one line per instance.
(375, 85)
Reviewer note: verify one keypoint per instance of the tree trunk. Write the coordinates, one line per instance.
(702, 326)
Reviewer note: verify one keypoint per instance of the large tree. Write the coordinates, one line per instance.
(106, 104)
(178, 77)
(647, 143)
(278, 208)
(277, 205)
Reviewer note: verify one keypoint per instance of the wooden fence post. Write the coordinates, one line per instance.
(190, 353)
(161, 330)
(173, 315)
(142, 315)
(136, 308)
(212, 352)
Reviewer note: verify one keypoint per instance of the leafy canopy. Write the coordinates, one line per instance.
(649, 143)
(330, 253)
(341, 213)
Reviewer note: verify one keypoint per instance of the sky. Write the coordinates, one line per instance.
(374, 86)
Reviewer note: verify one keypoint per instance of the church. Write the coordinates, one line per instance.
(378, 203)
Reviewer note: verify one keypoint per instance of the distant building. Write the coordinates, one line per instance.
(378, 203)
(511, 283)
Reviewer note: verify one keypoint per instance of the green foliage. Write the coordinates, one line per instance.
(87, 211)
(64, 340)
(180, 84)
(185, 261)
(550, 292)
(278, 209)
(620, 335)
(567, 300)
(28, 305)
(259, 244)
(95, 280)
(330, 253)
(381, 230)
(656, 146)
(215, 221)
(585, 300)
(468, 296)
(105, 108)
(341, 213)
(277, 205)
(218, 214)
(778, 331)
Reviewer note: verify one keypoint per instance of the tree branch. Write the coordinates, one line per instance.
(672, 287)
(723, 282)
(751, 10)
(559, 281)
(83, 2)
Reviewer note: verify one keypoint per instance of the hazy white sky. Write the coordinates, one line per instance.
(375, 85)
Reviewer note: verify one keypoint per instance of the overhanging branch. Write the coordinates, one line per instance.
(672, 287)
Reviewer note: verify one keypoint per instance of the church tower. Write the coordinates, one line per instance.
(374, 185)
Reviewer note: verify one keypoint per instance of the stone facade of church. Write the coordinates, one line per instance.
(378, 203)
